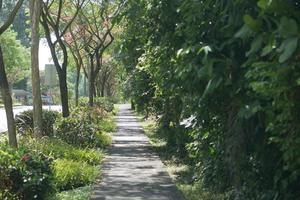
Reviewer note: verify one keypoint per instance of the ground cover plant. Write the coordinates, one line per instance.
(55, 165)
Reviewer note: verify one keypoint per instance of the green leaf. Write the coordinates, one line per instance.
(212, 85)
(267, 49)
(288, 47)
(298, 81)
(252, 23)
(179, 52)
(262, 4)
(288, 27)
(256, 45)
(244, 32)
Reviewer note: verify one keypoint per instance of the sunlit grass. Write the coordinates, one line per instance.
(82, 193)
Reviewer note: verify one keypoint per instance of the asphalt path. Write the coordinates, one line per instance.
(19, 109)
(132, 170)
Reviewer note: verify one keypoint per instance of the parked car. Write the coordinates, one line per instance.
(47, 100)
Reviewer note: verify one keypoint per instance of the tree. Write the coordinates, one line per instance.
(5, 92)
(99, 23)
(17, 69)
(106, 79)
(35, 7)
(76, 46)
(57, 17)
(20, 24)
(223, 79)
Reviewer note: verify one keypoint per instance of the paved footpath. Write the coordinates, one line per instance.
(132, 171)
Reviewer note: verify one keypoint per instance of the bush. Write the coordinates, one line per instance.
(56, 148)
(104, 102)
(82, 129)
(70, 174)
(81, 133)
(24, 122)
(108, 124)
(25, 174)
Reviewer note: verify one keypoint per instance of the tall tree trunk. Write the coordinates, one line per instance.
(60, 68)
(95, 86)
(102, 90)
(91, 82)
(235, 151)
(236, 139)
(78, 63)
(12, 138)
(84, 86)
(77, 86)
(35, 7)
(64, 94)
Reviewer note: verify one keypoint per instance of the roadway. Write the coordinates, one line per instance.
(19, 109)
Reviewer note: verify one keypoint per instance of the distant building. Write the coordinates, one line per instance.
(51, 79)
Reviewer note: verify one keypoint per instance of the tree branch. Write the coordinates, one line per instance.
(1, 3)
(11, 16)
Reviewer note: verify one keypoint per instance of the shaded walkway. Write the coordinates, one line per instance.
(132, 171)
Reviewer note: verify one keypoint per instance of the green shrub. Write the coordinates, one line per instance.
(25, 174)
(82, 128)
(77, 132)
(83, 101)
(108, 124)
(57, 148)
(70, 174)
(107, 103)
(104, 102)
(24, 122)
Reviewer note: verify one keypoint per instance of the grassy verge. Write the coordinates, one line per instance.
(180, 171)
(62, 165)
(85, 165)
(81, 193)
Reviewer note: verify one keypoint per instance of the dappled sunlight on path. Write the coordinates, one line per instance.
(132, 171)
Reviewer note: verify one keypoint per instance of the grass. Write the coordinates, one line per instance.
(82, 193)
(57, 148)
(70, 174)
(108, 124)
(74, 169)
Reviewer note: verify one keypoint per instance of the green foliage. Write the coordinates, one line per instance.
(25, 174)
(24, 122)
(222, 77)
(56, 148)
(69, 173)
(108, 124)
(104, 102)
(20, 25)
(82, 193)
(83, 128)
(15, 57)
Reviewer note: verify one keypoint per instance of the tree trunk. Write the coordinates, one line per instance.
(84, 86)
(235, 151)
(64, 94)
(102, 90)
(7, 100)
(91, 82)
(77, 86)
(35, 75)
(60, 68)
